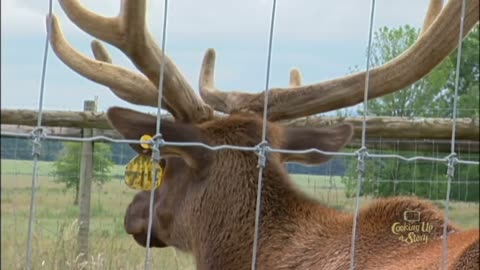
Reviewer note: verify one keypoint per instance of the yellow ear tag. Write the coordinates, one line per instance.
(139, 173)
(145, 137)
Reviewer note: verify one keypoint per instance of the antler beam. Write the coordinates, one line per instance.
(436, 43)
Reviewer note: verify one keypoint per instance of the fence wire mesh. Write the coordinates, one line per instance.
(366, 178)
(333, 183)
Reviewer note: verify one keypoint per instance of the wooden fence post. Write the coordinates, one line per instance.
(86, 175)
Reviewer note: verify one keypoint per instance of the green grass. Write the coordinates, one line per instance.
(45, 168)
(54, 245)
(24, 167)
(55, 228)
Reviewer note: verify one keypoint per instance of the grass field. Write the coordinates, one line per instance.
(110, 247)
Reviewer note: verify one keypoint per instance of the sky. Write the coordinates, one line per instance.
(321, 38)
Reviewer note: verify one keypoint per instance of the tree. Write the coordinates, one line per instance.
(389, 177)
(432, 96)
(408, 102)
(67, 166)
(468, 87)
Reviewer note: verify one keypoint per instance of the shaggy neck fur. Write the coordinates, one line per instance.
(226, 214)
(296, 232)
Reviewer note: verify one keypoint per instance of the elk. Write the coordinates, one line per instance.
(206, 202)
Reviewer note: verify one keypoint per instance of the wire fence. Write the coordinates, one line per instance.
(333, 183)
(452, 160)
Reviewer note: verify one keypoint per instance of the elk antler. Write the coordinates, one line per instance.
(295, 77)
(434, 8)
(101, 54)
(128, 32)
(435, 43)
(124, 83)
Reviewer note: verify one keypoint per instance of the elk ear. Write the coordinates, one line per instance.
(325, 139)
(132, 125)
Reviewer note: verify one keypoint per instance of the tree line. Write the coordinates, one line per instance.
(432, 96)
(21, 149)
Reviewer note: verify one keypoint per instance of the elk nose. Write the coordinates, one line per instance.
(135, 225)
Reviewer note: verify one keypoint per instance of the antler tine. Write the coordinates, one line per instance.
(101, 54)
(220, 101)
(128, 85)
(296, 81)
(431, 48)
(206, 83)
(434, 8)
(295, 77)
(103, 28)
(132, 87)
(128, 32)
(231, 101)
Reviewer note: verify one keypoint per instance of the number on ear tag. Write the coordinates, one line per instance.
(139, 173)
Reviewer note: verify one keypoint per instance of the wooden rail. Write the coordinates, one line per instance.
(377, 127)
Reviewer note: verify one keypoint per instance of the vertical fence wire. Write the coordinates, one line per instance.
(458, 169)
(262, 153)
(157, 138)
(362, 153)
(37, 134)
(414, 170)
(437, 180)
(452, 158)
(467, 177)
(430, 187)
(330, 180)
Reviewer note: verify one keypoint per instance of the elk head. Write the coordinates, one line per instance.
(202, 186)
(205, 191)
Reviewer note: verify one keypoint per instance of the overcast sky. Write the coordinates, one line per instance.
(322, 38)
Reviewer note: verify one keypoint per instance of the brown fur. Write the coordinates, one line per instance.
(206, 205)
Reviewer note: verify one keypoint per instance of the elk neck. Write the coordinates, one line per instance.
(225, 218)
